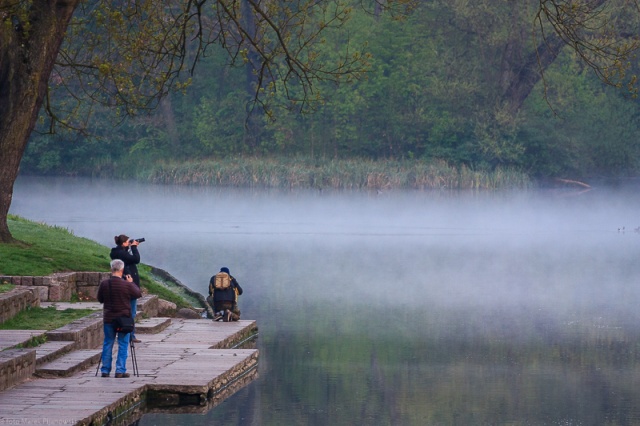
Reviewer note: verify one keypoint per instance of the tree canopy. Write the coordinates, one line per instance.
(129, 54)
(453, 82)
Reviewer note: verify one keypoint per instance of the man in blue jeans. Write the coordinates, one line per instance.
(116, 294)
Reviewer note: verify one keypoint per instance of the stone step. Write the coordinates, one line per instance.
(70, 363)
(11, 338)
(152, 325)
(51, 350)
(61, 306)
(148, 306)
(87, 332)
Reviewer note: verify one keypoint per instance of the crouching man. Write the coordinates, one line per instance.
(223, 296)
(116, 293)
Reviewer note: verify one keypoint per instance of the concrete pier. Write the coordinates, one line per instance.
(184, 364)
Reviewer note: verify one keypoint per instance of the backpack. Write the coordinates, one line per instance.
(221, 281)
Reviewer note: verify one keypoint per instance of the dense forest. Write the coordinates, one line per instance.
(455, 82)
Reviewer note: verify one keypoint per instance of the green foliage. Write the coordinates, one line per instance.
(435, 90)
(593, 132)
(219, 124)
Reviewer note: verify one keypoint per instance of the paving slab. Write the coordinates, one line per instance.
(63, 306)
(152, 325)
(11, 338)
(69, 363)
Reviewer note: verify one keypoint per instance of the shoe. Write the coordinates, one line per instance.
(122, 375)
(105, 374)
(227, 316)
(218, 317)
(135, 340)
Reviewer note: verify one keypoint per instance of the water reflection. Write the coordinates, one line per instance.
(400, 308)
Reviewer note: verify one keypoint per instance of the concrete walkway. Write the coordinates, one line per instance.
(184, 361)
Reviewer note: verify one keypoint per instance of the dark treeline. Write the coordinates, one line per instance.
(451, 83)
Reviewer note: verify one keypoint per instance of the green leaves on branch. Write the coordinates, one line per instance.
(130, 55)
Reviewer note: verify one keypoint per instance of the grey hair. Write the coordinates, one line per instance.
(117, 265)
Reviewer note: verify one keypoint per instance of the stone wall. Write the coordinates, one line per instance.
(16, 300)
(62, 285)
(16, 366)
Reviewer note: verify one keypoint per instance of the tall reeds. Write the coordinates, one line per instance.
(335, 174)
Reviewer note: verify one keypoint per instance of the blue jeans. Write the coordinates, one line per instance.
(134, 309)
(107, 349)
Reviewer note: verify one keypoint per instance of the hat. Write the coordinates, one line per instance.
(224, 269)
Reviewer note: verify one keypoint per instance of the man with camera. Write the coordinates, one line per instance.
(127, 250)
(116, 294)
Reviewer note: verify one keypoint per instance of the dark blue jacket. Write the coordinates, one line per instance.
(228, 295)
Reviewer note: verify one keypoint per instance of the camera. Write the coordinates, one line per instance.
(140, 240)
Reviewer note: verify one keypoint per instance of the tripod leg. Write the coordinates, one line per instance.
(98, 366)
(100, 360)
(134, 361)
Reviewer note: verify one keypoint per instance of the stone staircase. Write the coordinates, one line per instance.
(49, 351)
(68, 349)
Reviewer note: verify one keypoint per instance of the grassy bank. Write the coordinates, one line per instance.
(46, 249)
(336, 174)
(43, 318)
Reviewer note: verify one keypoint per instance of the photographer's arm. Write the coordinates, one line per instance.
(235, 283)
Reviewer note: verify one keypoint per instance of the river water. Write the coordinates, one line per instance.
(397, 308)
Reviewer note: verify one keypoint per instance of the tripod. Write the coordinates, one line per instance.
(134, 360)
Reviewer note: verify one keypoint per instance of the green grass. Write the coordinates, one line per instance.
(161, 289)
(43, 318)
(33, 342)
(43, 249)
(4, 287)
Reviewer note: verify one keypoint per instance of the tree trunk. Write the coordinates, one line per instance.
(26, 61)
(530, 72)
(170, 121)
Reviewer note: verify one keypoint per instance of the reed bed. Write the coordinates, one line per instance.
(334, 174)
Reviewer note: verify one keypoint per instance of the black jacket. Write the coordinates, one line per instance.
(130, 261)
(228, 295)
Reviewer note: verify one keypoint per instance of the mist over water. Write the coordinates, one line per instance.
(367, 301)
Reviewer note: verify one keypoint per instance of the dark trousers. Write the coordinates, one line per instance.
(231, 306)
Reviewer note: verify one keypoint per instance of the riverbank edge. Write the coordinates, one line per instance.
(177, 284)
(43, 250)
